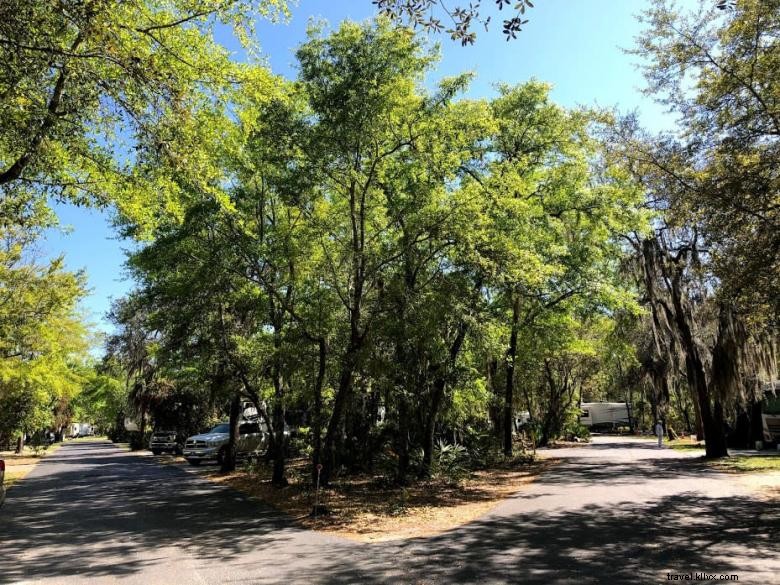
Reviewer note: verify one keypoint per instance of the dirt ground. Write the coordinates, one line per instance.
(368, 508)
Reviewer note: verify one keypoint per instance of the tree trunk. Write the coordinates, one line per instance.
(339, 404)
(495, 412)
(510, 377)
(142, 431)
(403, 440)
(408, 363)
(119, 427)
(683, 408)
(756, 432)
(228, 463)
(278, 478)
(697, 416)
(429, 431)
(551, 418)
(715, 438)
(20, 444)
(437, 397)
(719, 445)
(317, 422)
(678, 317)
(531, 418)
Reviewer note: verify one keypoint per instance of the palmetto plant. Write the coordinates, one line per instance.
(450, 460)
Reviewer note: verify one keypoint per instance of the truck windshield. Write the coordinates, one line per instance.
(224, 428)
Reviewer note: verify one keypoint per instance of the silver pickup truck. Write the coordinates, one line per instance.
(252, 439)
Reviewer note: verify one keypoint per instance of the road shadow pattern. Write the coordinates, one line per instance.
(130, 510)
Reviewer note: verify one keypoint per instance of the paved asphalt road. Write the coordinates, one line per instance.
(618, 511)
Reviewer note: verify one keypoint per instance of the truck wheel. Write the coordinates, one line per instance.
(194, 462)
(156, 451)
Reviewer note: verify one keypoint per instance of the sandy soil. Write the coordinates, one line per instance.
(368, 508)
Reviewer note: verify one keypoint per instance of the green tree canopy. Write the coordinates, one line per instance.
(718, 70)
(90, 91)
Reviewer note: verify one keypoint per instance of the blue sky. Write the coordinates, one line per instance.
(575, 45)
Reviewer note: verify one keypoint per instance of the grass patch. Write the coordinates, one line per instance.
(686, 445)
(735, 463)
(88, 439)
(761, 473)
(748, 463)
(12, 477)
(370, 508)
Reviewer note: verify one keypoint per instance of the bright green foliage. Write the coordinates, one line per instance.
(42, 337)
(103, 399)
(95, 95)
(718, 71)
(373, 246)
(556, 212)
(709, 269)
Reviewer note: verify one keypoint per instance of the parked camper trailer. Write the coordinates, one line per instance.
(81, 430)
(605, 414)
(250, 410)
(522, 419)
(770, 412)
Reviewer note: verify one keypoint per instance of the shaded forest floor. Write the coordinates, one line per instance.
(369, 508)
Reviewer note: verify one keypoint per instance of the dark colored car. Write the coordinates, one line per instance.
(166, 441)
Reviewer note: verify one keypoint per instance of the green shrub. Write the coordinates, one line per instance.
(482, 446)
(139, 442)
(576, 430)
(450, 460)
(39, 448)
(300, 443)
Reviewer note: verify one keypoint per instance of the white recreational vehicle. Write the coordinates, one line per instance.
(770, 412)
(81, 430)
(605, 414)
